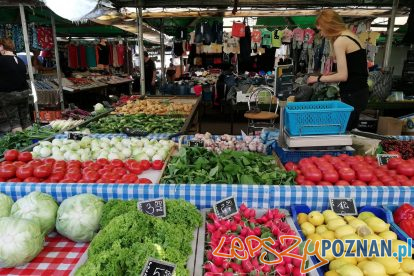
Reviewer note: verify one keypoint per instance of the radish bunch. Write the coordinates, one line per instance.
(244, 224)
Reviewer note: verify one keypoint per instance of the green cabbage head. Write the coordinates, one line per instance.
(21, 240)
(38, 207)
(5, 205)
(78, 217)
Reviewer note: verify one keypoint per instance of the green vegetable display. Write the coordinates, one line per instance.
(142, 122)
(326, 93)
(198, 165)
(5, 205)
(130, 237)
(23, 139)
(78, 217)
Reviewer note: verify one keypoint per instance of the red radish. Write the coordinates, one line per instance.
(266, 268)
(218, 261)
(212, 268)
(236, 267)
(247, 266)
(212, 216)
(242, 207)
(296, 272)
(296, 262)
(252, 213)
(280, 269)
(228, 274)
(210, 227)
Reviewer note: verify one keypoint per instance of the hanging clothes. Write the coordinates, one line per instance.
(266, 37)
(287, 36)
(298, 37)
(238, 29)
(120, 49)
(82, 56)
(17, 35)
(103, 53)
(115, 60)
(111, 55)
(217, 32)
(308, 37)
(45, 38)
(277, 38)
(90, 56)
(73, 56)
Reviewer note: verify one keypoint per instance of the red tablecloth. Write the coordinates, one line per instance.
(58, 258)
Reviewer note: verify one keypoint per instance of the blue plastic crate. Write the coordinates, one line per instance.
(294, 155)
(302, 208)
(400, 233)
(317, 118)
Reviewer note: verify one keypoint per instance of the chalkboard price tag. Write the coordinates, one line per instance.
(155, 267)
(75, 136)
(153, 207)
(384, 158)
(107, 104)
(343, 206)
(195, 143)
(226, 208)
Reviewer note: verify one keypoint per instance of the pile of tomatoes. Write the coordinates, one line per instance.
(21, 167)
(346, 170)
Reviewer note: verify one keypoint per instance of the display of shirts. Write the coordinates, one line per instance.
(369, 37)
(309, 34)
(287, 36)
(90, 56)
(72, 56)
(266, 37)
(120, 49)
(192, 37)
(298, 37)
(82, 56)
(277, 38)
(103, 54)
(256, 36)
(45, 37)
(230, 44)
(238, 29)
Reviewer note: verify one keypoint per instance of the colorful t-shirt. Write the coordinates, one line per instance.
(230, 44)
(45, 37)
(309, 34)
(256, 36)
(369, 37)
(287, 36)
(298, 36)
(277, 38)
(266, 37)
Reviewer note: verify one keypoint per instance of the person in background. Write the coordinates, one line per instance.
(14, 93)
(37, 65)
(170, 73)
(351, 60)
(150, 74)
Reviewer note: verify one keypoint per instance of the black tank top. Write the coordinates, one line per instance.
(357, 70)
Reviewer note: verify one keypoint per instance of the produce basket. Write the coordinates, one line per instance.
(295, 155)
(302, 208)
(389, 209)
(313, 118)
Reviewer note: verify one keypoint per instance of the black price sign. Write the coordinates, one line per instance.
(384, 158)
(75, 136)
(107, 104)
(195, 143)
(154, 207)
(343, 206)
(226, 208)
(155, 267)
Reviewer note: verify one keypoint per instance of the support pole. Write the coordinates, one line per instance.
(58, 71)
(29, 60)
(162, 52)
(141, 50)
(388, 46)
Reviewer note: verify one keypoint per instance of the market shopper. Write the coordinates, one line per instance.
(150, 74)
(351, 60)
(14, 93)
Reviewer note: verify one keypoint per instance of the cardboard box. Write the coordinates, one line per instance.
(389, 126)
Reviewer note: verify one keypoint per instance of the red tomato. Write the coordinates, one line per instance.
(342, 183)
(128, 162)
(394, 162)
(347, 174)
(120, 171)
(56, 177)
(343, 156)
(5, 163)
(87, 169)
(308, 183)
(305, 161)
(25, 156)
(392, 172)
(109, 167)
(102, 161)
(73, 176)
(375, 183)
(406, 169)
(18, 164)
(67, 180)
(290, 166)
(314, 175)
(144, 181)
(74, 163)
(87, 163)
(95, 166)
(300, 179)
(392, 183)
(117, 163)
(145, 165)
(58, 170)
(83, 181)
(11, 155)
(42, 171)
(298, 172)
(395, 153)
(60, 163)
(7, 171)
(129, 178)
(2, 179)
(103, 171)
(324, 183)
(400, 178)
(35, 163)
(15, 179)
(110, 177)
(49, 161)
(91, 176)
(328, 157)
(358, 183)
(32, 179)
(408, 183)
(135, 168)
(365, 175)
(24, 172)
(331, 176)
(73, 170)
(157, 165)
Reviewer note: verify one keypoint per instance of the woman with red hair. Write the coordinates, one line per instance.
(351, 60)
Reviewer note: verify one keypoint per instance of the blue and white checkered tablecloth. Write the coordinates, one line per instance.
(203, 196)
(404, 138)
